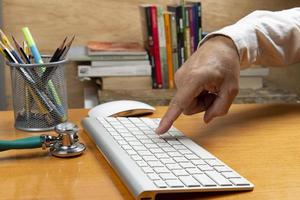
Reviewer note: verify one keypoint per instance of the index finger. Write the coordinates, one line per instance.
(173, 112)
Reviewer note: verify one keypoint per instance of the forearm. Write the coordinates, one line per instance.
(266, 38)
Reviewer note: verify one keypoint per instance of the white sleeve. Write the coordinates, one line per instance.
(265, 37)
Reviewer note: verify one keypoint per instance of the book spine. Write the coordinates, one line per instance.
(156, 53)
(196, 27)
(200, 21)
(174, 42)
(180, 32)
(167, 18)
(150, 45)
(187, 40)
(192, 29)
(88, 71)
(162, 46)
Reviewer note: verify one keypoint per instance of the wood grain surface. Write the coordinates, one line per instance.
(261, 142)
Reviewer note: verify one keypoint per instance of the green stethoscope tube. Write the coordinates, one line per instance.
(24, 143)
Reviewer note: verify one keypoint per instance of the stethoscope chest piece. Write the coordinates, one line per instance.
(67, 143)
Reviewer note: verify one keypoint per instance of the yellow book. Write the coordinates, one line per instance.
(167, 16)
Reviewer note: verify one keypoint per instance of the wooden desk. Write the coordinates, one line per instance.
(262, 142)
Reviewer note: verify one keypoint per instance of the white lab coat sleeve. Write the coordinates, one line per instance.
(265, 38)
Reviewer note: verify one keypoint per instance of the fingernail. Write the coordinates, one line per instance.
(159, 130)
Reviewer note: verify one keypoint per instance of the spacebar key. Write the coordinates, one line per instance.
(218, 178)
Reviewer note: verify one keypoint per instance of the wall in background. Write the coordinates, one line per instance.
(51, 20)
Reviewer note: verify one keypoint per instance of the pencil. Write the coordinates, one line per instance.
(50, 70)
(58, 50)
(8, 45)
(21, 51)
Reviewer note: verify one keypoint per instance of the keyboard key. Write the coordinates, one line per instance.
(150, 158)
(218, 178)
(179, 147)
(189, 181)
(191, 156)
(151, 146)
(187, 165)
(134, 143)
(222, 169)
(173, 142)
(136, 157)
(149, 122)
(123, 130)
(159, 140)
(131, 152)
(118, 137)
(122, 142)
(169, 149)
(167, 176)
(205, 167)
(146, 141)
(161, 170)
(173, 166)
(144, 153)
(160, 184)
(194, 171)
(147, 170)
(230, 175)
(175, 133)
(163, 145)
(153, 176)
(139, 148)
(155, 151)
(142, 163)
(180, 172)
(174, 183)
(214, 162)
(174, 154)
(198, 162)
(239, 181)
(185, 151)
(204, 180)
(131, 138)
(167, 161)
(127, 147)
(180, 159)
(155, 164)
(162, 155)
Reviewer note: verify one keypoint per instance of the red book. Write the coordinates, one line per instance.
(158, 75)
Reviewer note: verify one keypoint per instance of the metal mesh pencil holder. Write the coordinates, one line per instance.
(39, 95)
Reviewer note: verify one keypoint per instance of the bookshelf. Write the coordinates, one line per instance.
(45, 20)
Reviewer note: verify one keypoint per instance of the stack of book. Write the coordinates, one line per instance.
(170, 37)
(120, 65)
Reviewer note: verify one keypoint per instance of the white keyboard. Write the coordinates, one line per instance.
(150, 164)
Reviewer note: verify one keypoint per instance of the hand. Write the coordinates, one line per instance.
(208, 81)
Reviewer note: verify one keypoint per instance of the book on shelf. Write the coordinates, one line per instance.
(79, 53)
(114, 48)
(162, 46)
(106, 63)
(130, 70)
(187, 31)
(167, 21)
(145, 16)
(126, 83)
(181, 34)
(178, 13)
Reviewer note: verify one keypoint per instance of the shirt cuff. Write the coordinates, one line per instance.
(244, 41)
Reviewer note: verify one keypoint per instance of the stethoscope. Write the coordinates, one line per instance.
(65, 144)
